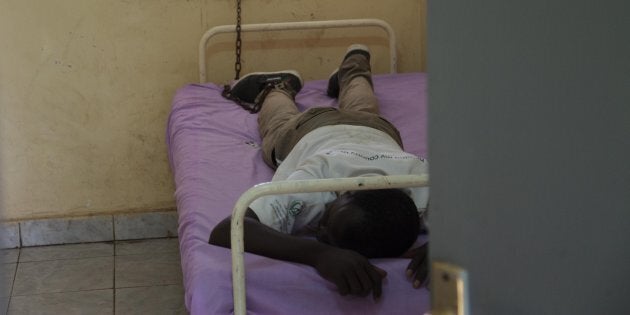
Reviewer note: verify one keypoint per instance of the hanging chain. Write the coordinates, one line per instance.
(227, 90)
(237, 64)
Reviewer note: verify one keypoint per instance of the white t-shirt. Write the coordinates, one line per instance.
(333, 152)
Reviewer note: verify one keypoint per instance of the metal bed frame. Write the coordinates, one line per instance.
(302, 186)
(203, 43)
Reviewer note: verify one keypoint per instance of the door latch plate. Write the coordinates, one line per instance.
(449, 289)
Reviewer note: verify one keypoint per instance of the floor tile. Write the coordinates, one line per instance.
(8, 256)
(63, 276)
(84, 302)
(67, 231)
(142, 247)
(7, 274)
(168, 299)
(145, 225)
(148, 270)
(9, 234)
(71, 251)
(4, 304)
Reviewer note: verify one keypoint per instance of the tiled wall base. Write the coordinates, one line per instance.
(88, 229)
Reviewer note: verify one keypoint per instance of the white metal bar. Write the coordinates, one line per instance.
(297, 26)
(298, 186)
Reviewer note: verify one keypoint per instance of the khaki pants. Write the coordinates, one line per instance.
(281, 125)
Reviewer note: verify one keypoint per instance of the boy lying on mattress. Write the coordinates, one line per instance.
(351, 141)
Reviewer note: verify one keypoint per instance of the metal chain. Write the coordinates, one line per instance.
(227, 90)
(237, 64)
(252, 108)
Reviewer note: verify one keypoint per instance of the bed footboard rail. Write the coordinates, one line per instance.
(298, 186)
(296, 26)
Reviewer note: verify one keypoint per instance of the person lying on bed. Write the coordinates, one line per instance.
(327, 142)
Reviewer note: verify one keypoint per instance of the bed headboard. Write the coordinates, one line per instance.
(297, 26)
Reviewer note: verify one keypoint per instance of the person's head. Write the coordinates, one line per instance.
(375, 223)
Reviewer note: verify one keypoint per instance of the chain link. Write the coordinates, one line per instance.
(227, 90)
(237, 64)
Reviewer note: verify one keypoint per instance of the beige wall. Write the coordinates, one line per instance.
(86, 86)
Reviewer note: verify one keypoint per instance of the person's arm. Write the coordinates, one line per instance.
(348, 270)
(418, 268)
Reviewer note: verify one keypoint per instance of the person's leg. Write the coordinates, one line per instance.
(352, 84)
(274, 92)
(354, 78)
(277, 110)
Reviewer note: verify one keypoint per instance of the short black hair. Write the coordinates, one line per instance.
(388, 226)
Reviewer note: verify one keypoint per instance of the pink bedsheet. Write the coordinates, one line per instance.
(215, 156)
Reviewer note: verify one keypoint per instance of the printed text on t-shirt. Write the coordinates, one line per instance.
(376, 156)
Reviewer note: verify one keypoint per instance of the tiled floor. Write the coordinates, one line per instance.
(122, 277)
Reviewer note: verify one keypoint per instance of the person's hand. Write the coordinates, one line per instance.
(418, 269)
(351, 272)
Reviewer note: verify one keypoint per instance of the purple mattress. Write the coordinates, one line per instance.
(214, 151)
